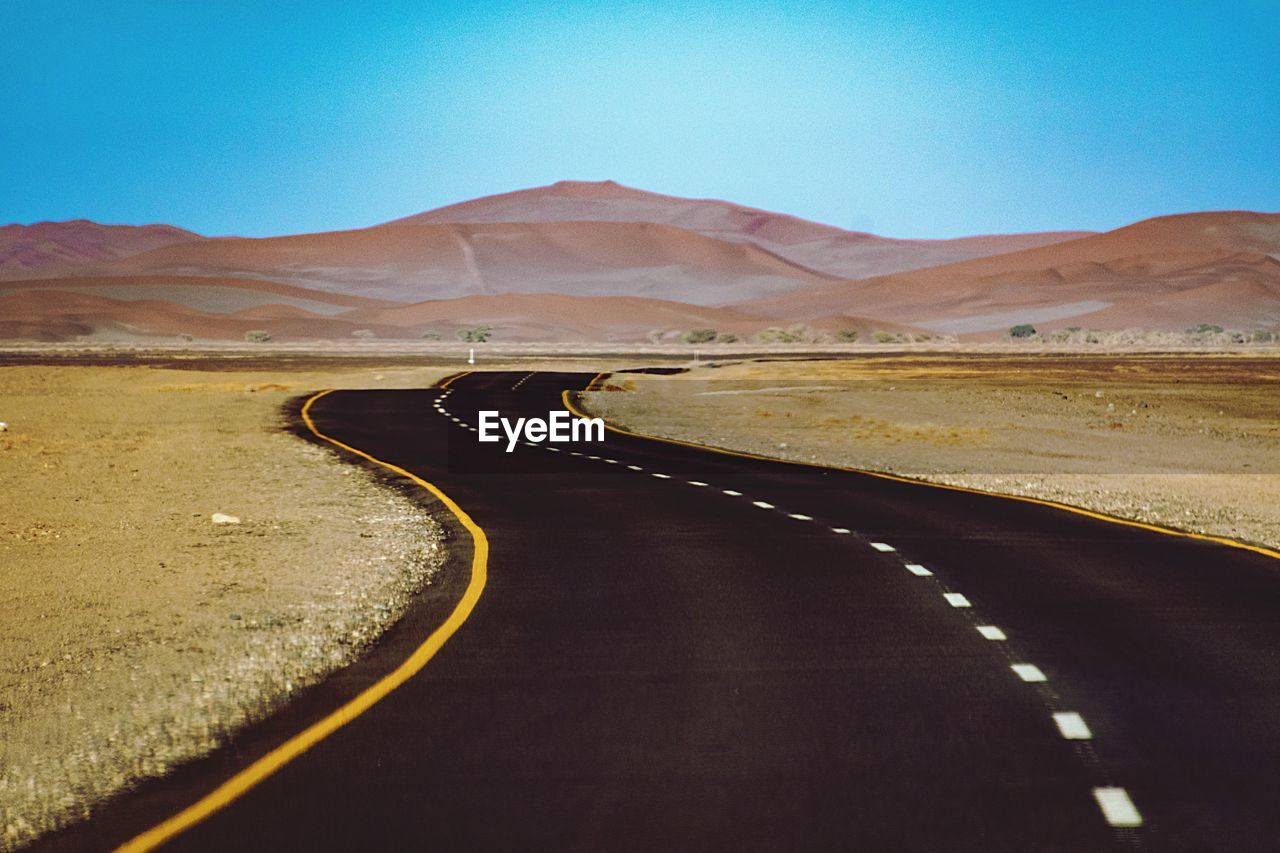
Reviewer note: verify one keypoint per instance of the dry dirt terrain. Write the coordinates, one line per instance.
(1190, 441)
(138, 632)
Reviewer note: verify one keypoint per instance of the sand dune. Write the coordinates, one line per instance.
(53, 248)
(207, 293)
(55, 315)
(1171, 272)
(548, 316)
(848, 254)
(617, 275)
(411, 263)
(51, 314)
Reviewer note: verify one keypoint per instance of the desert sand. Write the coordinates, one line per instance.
(1172, 272)
(49, 249)
(848, 254)
(1187, 441)
(139, 633)
(584, 261)
(412, 262)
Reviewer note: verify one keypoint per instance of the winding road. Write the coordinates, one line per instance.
(660, 647)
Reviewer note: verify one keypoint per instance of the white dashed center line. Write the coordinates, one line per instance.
(1072, 726)
(1116, 807)
(1028, 672)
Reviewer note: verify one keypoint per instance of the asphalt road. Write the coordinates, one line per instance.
(681, 650)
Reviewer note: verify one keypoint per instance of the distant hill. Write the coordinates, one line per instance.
(109, 313)
(1169, 272)
(411, 262)
(825, 248)
(48, 249)
(598, 261)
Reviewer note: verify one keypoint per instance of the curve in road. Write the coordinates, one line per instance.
(688, 650)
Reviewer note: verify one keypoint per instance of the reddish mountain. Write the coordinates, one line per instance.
(55, 315)
(1171, 272)
(49, 249)
(529, 264)
(848, 254)
(410, 263)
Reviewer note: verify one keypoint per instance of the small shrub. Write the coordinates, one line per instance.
(363, 334)
(847, 336)
(257, 336)
(1204, 329)
(1261, 337)
(778, 336)
(1022, 330)
(431, 335)
(186, 337)
(699, 336)
(884, 337)
(726, 338)
(476, 334)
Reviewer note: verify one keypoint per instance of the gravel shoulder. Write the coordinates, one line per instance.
(1190, 441)
(138, 632)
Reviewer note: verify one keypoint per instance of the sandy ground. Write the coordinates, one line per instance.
(138, 633)
(1188, 441)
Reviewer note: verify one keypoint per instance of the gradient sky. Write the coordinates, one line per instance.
(903, 118)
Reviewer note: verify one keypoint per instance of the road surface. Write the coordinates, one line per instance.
(682, 650)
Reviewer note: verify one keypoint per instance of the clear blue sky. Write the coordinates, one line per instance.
(904, 118)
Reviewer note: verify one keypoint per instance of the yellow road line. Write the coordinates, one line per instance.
(1186, 534)
(240, 783)
(444, 383)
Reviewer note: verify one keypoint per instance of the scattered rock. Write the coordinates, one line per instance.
(223, 518)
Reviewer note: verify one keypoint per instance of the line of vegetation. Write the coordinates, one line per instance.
(1201, 334)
